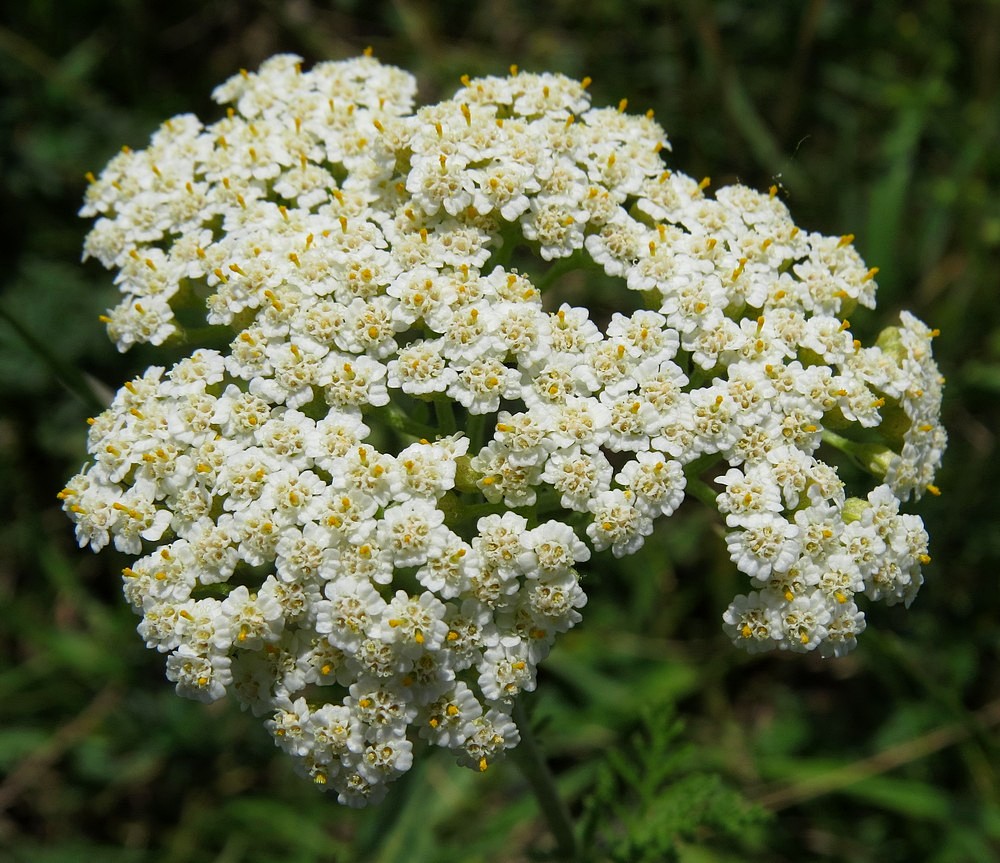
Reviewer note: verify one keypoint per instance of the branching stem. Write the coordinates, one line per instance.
(535, 769)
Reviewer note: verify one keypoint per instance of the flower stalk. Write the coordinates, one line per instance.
(536, 771)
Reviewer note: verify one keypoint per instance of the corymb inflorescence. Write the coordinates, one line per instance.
(360, 501)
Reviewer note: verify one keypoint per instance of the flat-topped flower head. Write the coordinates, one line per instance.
(360, 504)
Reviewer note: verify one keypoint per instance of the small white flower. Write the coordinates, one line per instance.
(350, 381)
(407, 531)
(840, 578)
(289, 725)
(748, 493)
(502, 477)
(253, 618)
(450, 566)
(200, 677)
(450, 718)
(415, 623)
(505, 672)
(383, 707)
(493, 732)
(504, 186)
(500, 541)
(845, 625)
(803, 622)
(481, 385)
(334, 730)
(551, 549)
(578, 421)
(387, 758)
(578, 476)
(618, 522)
(750, 622)
(657, 483)
(765, 543)
(554, 600)
(420, 368)
(354, 610)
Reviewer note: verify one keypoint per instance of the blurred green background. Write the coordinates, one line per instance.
(879, 119)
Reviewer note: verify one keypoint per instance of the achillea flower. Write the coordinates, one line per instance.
(360, 508)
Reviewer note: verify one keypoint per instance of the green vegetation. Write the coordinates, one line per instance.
(877, 119)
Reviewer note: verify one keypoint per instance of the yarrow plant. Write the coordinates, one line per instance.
(360, 501)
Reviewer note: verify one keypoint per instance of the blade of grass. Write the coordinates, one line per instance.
(71, 378)
(836, 779)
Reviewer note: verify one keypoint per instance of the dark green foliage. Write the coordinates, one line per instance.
(653, 798)
(878, 119)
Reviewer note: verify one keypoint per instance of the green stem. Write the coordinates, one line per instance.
(445, 415)
(510, 239)
(475, 429)
(548, 502)
(398, 419)
(469, 513)
(534, 768)
(872, 457)
(703, 491)
(565, 265)
(695, 485)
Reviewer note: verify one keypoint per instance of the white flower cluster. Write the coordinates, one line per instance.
(363, 517)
